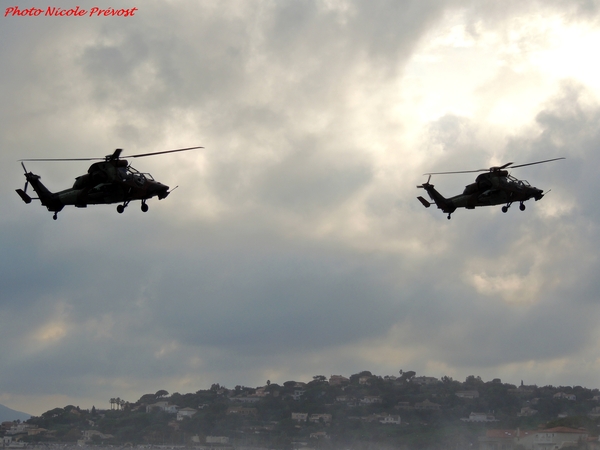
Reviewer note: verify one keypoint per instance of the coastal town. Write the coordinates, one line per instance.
(361, 411)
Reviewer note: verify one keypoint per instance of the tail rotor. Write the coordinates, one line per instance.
(27, 179)
(426, 183)
(23, 192)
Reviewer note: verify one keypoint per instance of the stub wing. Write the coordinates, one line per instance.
(425, 203)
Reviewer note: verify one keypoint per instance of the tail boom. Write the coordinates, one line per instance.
(49, 199)
(440, 201)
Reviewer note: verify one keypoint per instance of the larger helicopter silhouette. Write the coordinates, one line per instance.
(112, 180)
(496, 187)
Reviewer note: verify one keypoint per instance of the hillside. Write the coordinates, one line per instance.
(7, 414)
(401, 412)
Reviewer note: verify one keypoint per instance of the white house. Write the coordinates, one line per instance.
(425, 380)
(336, 380)
(479, 417)
(185, 412)
(300, 417)
(571, 397)
(245, 399)
(370, 400)
(20, 428)
(319, 435)
(467, 394)
(7, 442)
(551, 438)
(298, 393)
(163, 406)
(391, 420)
(527, 411)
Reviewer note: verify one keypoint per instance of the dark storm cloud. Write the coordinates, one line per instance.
(302, 296)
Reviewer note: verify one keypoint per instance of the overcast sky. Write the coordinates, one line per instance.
(294, 245)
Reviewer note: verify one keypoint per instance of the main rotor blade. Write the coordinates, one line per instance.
(117, 156)
(537, 162)
(500, 167)
(460, 171)
(491, 169)
(139, 155)
(495, 168)
(62, 159)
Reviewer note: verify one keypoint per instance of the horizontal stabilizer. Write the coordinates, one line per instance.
(425, 203)
(26, 198)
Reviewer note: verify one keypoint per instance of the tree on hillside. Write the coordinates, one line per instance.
(473, 381)
(405, 377)
(54, 413)
(147, 398)
(161, 393)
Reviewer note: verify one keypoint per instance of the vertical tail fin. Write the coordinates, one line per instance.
(49, 199)
(440, 201)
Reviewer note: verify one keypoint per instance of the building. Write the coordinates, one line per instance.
(365, 379)
(19, 428)
(185, 412)
(7, 442)
(316, 418)
(91, 435)
(467, 394)
(370, 400)
(403, 405)
(298, 393)
(498, 440)
(319, 435)
(479, 417)
(501, 439)
(562, 395)
(300, 417)
(548, 439)
(162, 406)
(553, 438)
(425, 380)
(242, 411)
(390, 420)
(245, 399)
(527, 411)
(337, 380)
(427, 406)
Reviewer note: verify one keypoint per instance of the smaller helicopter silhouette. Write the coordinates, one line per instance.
(112, 180)
(496, 187)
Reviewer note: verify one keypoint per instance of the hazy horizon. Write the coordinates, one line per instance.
(294, 244)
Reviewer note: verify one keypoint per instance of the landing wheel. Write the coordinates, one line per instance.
(504, 209)
(144, 207)
(522, 207)
(449, 217)
(55, 216)
(120, 209)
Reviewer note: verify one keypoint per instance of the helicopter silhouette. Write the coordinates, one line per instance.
(495, 187)
(112, 180)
